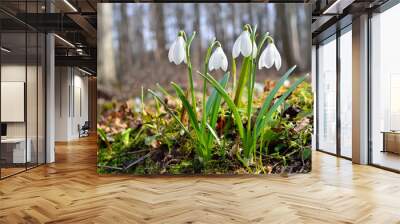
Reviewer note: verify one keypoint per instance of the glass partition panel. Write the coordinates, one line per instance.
(346, 94)
(385, 89)
(14, 153)
(31, 98)
(22, 67)
(41, 98)
(327, 96)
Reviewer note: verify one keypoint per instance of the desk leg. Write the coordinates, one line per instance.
(384, 142)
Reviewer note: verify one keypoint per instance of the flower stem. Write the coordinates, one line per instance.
(191, 83)
(189, 64)
(234, 75)
(208, 55)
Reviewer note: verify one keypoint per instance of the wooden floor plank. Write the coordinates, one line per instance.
(70, 191)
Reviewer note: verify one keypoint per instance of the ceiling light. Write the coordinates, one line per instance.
(84, 71)
(5, 50)
(65, 41)
(70, 5)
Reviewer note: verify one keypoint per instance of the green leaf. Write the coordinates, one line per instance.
(244, 74)
(228, 100)
(164, 91)
(269, 135)
(282, 99)
(102, 134)
(306, 153)
(192, 114)
(213, 133)
(274, 107)
(214, 93)
(125, 136)
(214, 101)
(271, 96)
(168, 110)
(149, 140)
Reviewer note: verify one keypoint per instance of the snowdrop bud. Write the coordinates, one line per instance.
(177, 52)
(218, 60)
(254, 52)
(269, 57)
(242, 45)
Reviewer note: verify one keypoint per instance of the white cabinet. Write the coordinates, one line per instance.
(19, 155)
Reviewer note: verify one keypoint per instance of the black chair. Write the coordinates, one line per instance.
(84, 130)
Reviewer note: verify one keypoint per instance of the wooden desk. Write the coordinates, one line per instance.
(13, 150)
(391, 141)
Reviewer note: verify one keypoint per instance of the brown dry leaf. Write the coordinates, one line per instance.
(269, 169)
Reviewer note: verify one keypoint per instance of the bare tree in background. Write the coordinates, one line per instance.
(125, 46)
(143, 31)
(158, 29)
(221, 25)
(250, 14)
(213, 19)
(233, 19)
(179, 16)
(137, 38)
(196, 26)
(292, 29)
(105, 56)
(283, 34)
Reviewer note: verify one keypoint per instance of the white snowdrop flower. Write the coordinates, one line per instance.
(177, 52)
(218, 60)
(242, 45)
(254, 52)
(269, 57)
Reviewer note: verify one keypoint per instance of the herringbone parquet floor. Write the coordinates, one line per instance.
(70, 191)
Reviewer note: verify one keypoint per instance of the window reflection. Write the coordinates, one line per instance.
(327, 96)
(346, 94)
(385, 84)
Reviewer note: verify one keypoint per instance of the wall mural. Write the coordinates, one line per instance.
(200, 88)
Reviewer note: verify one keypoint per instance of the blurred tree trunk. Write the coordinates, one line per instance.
(159, 30)
(292, 28)
(125, 48)
(180, 16)
(107, 74)
(243, 15)
(250, 14)
(213, 19)
(196, 27)
(259, 13)
(286, 50)
(221, 23)
(137, 39)
(233, 20)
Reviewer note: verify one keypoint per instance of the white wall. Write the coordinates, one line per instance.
(33, 126)
(16, 73)
(71, 102)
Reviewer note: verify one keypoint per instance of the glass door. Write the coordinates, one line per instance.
(14, 153)
(346, 92)
(326, 105)
(385, 89)
(22, 77)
